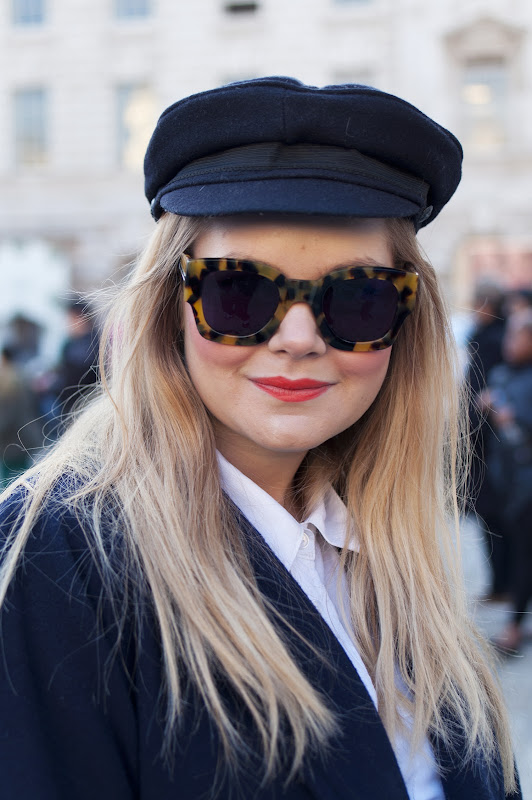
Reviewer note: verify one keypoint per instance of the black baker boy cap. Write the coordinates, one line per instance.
(276, 145)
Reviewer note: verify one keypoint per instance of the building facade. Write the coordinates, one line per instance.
(82, 83)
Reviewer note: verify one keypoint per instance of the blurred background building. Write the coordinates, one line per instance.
(82, 83)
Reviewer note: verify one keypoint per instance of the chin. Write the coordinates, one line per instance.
(290, 442)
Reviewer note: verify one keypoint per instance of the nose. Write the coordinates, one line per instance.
(298, 335)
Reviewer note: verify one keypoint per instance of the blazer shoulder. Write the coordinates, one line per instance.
(58, 523)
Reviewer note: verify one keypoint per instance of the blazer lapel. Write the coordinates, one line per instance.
(475, 780)
(360, 762)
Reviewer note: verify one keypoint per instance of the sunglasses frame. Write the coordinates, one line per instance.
(194, 270)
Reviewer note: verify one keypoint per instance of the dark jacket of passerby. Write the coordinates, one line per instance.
(511, 461)
(510, 398)
(485, 353)
(77, 369)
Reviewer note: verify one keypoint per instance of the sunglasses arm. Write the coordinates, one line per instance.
(183, 265)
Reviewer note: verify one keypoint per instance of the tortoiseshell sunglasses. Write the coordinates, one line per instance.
(243, 302)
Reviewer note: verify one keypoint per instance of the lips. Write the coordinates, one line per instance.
(292, 391)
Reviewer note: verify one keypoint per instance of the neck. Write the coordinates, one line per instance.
(271, 470)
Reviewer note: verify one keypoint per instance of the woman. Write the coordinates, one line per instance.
(233, 576)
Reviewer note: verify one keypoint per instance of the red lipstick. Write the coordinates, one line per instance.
(291, 391)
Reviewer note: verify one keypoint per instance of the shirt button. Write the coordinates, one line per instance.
(305, 540)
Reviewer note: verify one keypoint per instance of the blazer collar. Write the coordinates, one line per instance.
(360, 762)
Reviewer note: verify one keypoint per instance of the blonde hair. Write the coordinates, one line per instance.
(142, 456)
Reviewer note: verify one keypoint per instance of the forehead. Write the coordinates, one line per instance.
(304, 248)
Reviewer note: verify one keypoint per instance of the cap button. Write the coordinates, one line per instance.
(424, 215)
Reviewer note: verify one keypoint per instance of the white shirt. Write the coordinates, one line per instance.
(309, 552)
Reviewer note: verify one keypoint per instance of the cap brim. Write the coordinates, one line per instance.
(286, 196)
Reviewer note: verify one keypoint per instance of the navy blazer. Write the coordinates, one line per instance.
(82, 720)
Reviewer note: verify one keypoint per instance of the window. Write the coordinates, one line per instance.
(28, 12)
(136, 120)
(483, 95)
(30, 126)
(128, 9)
(241, 8)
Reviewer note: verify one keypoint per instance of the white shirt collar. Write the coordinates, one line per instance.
(281, 531)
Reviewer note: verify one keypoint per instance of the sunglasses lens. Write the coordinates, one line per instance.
(360, 310)
(238, 303)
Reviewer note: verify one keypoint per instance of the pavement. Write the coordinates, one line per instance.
(515, 672)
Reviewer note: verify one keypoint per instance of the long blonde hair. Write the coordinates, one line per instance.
(142, 456)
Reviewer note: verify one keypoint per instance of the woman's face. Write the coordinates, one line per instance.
(251, 417)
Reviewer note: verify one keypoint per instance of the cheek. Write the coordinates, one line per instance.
(370, 368)
(200, 352)
(363, 375)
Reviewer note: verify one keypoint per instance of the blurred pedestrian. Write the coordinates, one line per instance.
(23, 337)
(19, 431)
(76, 373)
(518, 300)
(510, 398)
(485, 352)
